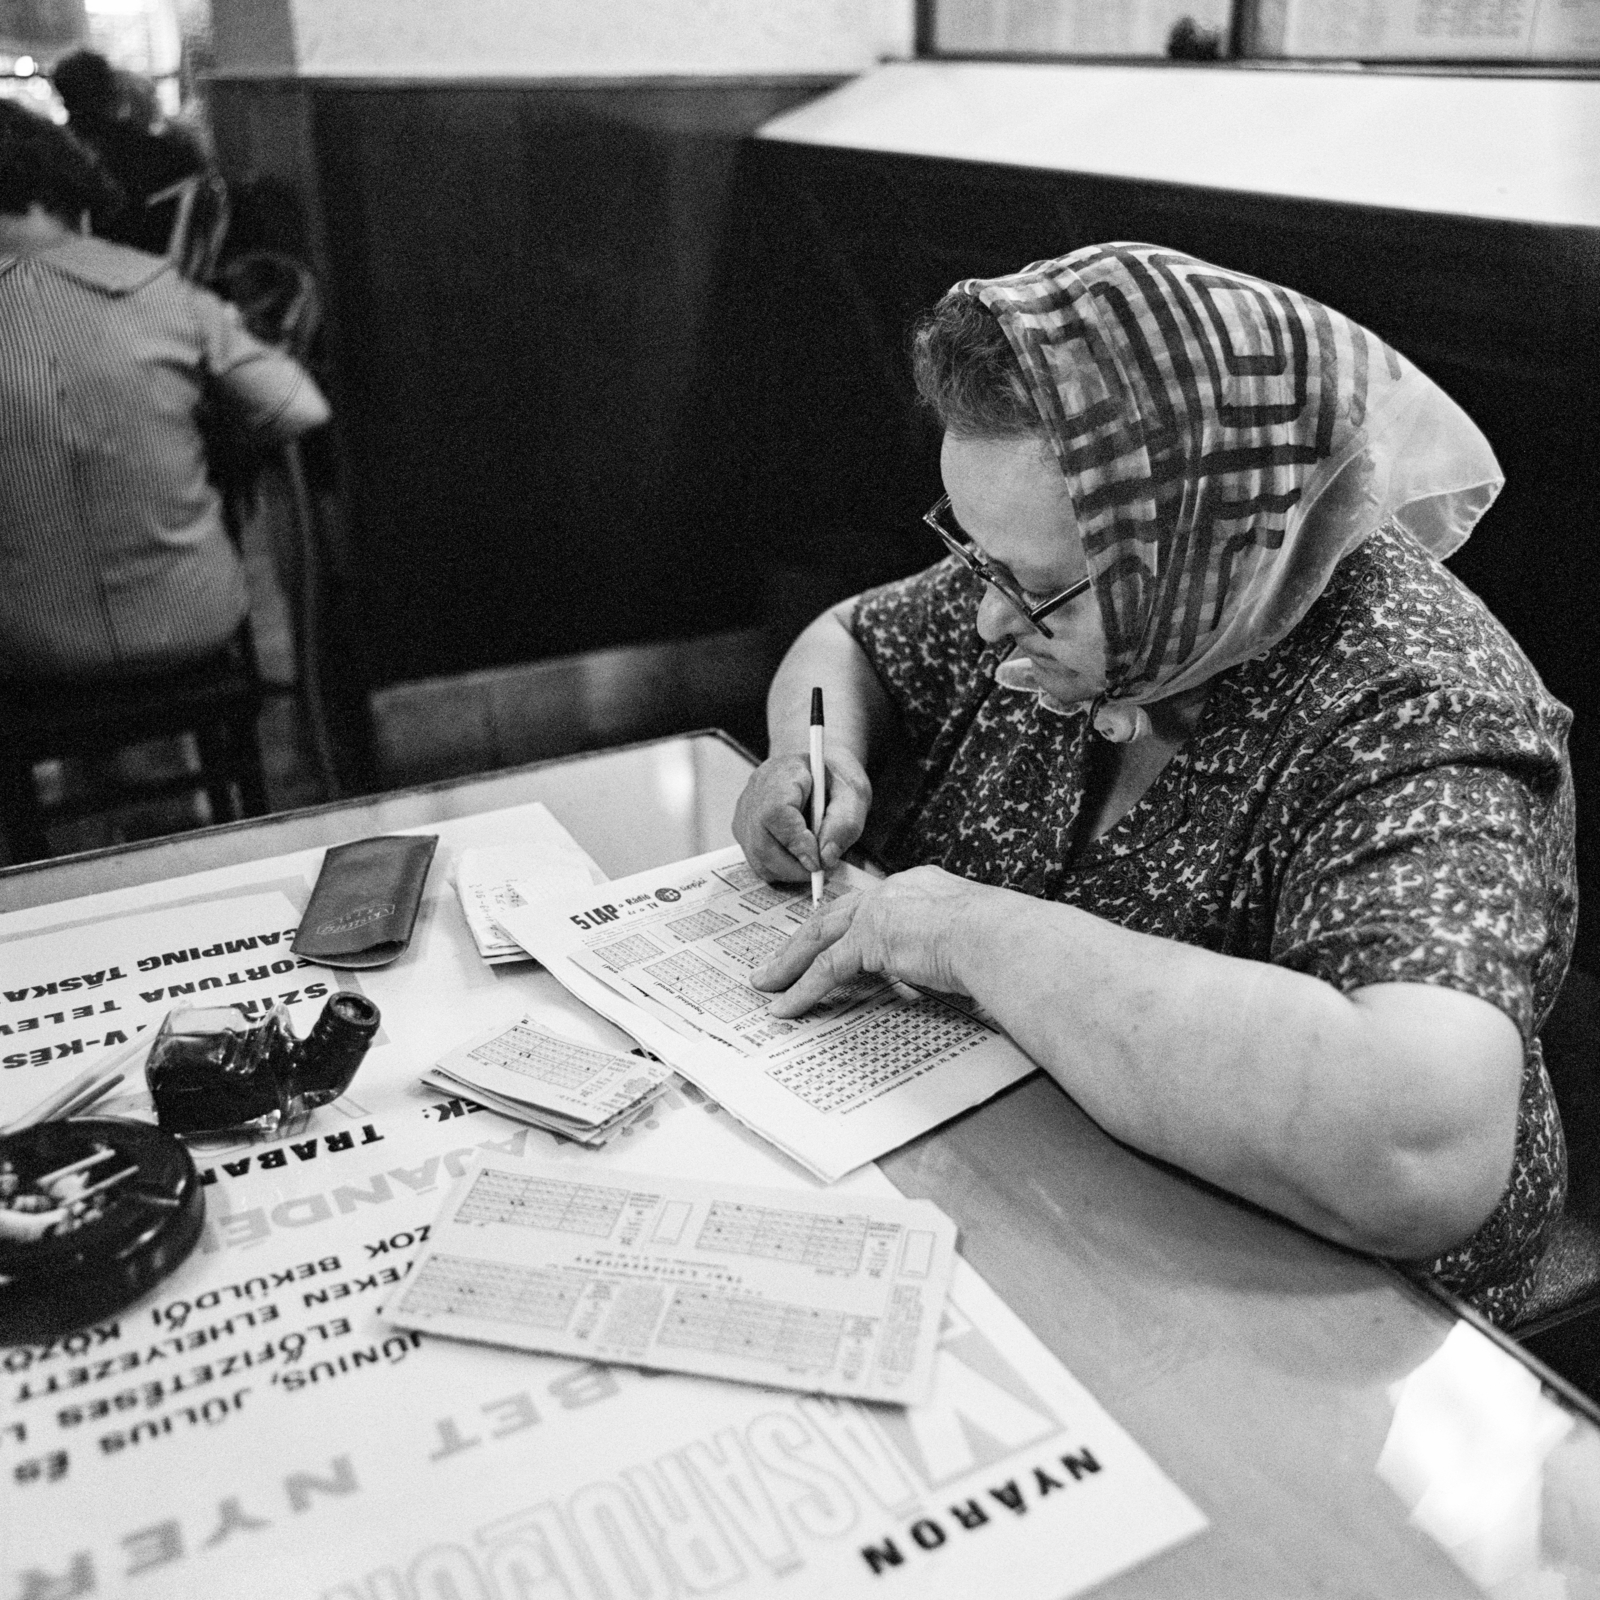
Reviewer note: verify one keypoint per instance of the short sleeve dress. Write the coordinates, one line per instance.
(1383, 797)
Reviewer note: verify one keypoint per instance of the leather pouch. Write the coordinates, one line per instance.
(365, 901)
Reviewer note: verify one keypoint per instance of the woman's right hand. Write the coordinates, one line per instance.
(772, 820)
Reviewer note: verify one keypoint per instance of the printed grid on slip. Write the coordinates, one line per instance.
(852, 1067)
(536, 1055)
(834, 1243)
(581, 1208)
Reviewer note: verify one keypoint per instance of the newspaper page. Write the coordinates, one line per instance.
(754, 1285)
(667, 955)
(254, 1428)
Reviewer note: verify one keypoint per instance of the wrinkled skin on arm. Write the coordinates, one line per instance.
(1384, 1119)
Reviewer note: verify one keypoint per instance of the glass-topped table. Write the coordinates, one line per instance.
(1343, 1432)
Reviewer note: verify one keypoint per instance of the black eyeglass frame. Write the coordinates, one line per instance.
(1007, 586)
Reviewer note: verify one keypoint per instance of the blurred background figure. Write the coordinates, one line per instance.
(114, 558)
(115, 114)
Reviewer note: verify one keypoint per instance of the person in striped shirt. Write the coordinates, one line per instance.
(114, 557)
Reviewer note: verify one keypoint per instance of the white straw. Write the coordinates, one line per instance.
(71, 1093)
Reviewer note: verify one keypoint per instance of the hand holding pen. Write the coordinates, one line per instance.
(804, 806)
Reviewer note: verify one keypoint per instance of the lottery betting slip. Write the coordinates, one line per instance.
(525, 1071)
(546, 860)
(827, 1294)
(666, 955)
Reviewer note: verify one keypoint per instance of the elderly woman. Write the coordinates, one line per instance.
(1238, 812)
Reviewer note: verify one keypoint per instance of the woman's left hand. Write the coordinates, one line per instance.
(910, 926)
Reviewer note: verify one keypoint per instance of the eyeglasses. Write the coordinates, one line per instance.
(1014, 595)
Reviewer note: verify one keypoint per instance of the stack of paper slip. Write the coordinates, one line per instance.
(547, 860)
(526, 1072)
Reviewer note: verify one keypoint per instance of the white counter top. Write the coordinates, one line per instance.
(1521, 149)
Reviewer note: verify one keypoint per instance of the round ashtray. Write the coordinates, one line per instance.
(93, 1213)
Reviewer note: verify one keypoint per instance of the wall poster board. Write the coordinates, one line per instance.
(1076, 27)
(1495, 32)
(1426, 30)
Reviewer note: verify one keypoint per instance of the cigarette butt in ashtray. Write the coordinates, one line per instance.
(102, 1154)
(105, 1183)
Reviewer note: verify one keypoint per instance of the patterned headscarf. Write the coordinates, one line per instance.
(1226, 443)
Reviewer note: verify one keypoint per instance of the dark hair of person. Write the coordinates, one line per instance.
(41, 164)
(967, 374)
(87, 84)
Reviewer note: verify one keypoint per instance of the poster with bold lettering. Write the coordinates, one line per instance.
(254, 1428)
(72, 997)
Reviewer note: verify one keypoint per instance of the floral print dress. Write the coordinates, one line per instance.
(1382, 797)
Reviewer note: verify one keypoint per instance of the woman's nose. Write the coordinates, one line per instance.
(998, 619)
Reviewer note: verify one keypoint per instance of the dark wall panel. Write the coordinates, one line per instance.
(530, 292)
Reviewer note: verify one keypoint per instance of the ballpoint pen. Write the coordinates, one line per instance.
(819, 785)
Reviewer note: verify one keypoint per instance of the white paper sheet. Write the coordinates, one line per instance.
(723, 1280)
(257, 1428)
(666, 956)
(254, 1428)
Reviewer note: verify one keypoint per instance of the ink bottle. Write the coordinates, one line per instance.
(213, 1070)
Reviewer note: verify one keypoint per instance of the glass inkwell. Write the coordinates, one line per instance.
(214, 1070)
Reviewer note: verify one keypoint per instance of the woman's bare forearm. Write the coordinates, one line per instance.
(1384, 1119)
(860, 717)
